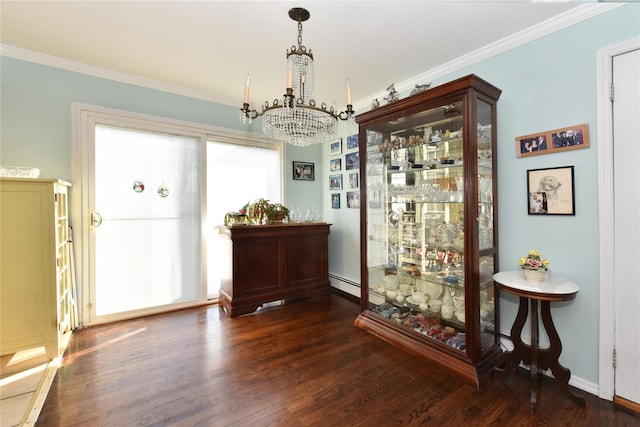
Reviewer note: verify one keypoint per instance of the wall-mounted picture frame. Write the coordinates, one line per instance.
(553, 141)
(352, 141)
(550, 191)
(335, 165)
(335, 147)
(335, 200)
(353, 180)
(303, 171)
(335, 182)
(352, 161)
(353, 199)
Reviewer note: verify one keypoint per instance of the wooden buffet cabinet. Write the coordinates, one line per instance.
(264, 263)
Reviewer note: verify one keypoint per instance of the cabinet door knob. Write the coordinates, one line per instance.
(95, 219)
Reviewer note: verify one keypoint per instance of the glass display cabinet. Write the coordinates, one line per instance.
(429, 227)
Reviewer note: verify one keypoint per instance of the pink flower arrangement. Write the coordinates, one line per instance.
(534, 261)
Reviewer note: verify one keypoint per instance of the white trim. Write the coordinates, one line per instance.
(105, 73)
(82, 118)
(606, 373)
(556, 23)
(345, 285)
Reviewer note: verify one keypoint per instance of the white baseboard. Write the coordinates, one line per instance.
(574, 381)
(345, 285)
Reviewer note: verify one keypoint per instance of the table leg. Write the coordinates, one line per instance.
(520, 350)
(533, 320)
(549, 358)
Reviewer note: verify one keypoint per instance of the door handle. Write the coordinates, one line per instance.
(95, 219)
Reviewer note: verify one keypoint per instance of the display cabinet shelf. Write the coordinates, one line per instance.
(429, 227)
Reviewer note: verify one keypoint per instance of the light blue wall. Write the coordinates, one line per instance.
(36, 119)
(548, 83)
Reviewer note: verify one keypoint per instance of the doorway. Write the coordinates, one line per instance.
(146, 244)
(136, 209)
(619, 209)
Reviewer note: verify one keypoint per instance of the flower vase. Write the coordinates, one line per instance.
(534, 275)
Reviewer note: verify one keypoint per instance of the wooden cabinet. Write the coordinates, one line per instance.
(36, 298)
(429, 227)
(263, 263)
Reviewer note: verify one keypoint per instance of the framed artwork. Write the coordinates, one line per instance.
(335, 164)
(352, 141)
(303, 171)
(335, 147)
(335, 182)
(353, 161)
(553, 141)
(353, 199)
(335, 200)
(353, 180)
(550, 191)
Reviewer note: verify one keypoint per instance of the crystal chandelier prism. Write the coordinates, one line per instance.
(296, 119)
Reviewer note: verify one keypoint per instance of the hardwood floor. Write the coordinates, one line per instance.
(299, 364)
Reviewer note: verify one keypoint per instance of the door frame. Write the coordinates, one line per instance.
(606, 372)
(81, 198)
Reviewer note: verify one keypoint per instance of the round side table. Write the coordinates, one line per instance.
(554, 288)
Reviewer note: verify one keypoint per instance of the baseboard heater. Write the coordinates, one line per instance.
(345, 285)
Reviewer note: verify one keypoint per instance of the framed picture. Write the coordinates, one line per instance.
(353, 199)
(352, 141)
(353, 161)
(335, 200)
(335, 165)
(550, 191)
(303, 171)
(335, 182)
(335, 147)
(553, 141)
(353, 180)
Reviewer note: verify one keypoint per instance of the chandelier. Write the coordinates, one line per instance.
(296, 118)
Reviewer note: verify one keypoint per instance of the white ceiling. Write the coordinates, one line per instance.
(207, 48)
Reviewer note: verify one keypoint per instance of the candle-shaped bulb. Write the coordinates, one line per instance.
(348, 84)
(289, 73)
(246, 89)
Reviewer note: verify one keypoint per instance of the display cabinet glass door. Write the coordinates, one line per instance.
(416, 206)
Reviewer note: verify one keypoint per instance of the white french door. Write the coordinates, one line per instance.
(142, 191)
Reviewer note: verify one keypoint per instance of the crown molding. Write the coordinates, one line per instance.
(564, 20)
(576, 15)
(105, 73)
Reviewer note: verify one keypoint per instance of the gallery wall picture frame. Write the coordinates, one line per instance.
(335, 165)
(335, 147)
(353, 199)
(352, 161)
(335, 200)
(550, 191)
(553, 141)
(352, 141)
(353, 180)
(303, 171)
(335, 182)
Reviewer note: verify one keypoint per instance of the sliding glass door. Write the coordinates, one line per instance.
(146, 222)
